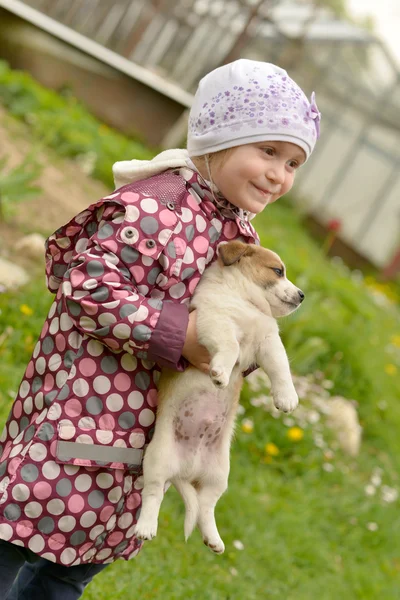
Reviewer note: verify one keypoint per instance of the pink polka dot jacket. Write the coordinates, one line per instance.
(123, 272)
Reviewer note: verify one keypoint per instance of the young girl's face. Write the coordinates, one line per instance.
(254, 175)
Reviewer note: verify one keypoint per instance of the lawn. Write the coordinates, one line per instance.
(302, 519)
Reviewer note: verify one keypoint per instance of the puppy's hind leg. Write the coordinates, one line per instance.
(208, 497)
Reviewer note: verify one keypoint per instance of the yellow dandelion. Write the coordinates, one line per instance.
(395, 340)
(26, 310)
(272, 449)
(390, 369)
(267, 460)
(247, 425)
(295, 434)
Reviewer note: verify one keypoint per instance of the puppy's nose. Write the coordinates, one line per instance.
(301, 294)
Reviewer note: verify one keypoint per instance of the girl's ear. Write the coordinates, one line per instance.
(231, 252)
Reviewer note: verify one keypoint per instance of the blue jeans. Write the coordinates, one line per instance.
(26, 576)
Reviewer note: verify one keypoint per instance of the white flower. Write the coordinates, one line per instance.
(233, 571)
(328, 467)
(238, 545)
(389, 494)
(372, 526)
(376, 480)
(370, 489)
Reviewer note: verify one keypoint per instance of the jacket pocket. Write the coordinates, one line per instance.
(99, 447)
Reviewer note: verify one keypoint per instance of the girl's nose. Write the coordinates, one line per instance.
(276, 172)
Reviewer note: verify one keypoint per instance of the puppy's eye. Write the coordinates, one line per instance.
(279, 272)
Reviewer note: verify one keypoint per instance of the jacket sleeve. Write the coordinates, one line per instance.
(101, 297)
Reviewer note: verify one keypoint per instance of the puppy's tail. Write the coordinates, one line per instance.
(189, 496)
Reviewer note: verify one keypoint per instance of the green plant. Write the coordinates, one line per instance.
(17, 185)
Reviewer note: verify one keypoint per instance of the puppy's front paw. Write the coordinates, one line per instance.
(145, 529)
(216, 545)
(286, 399)
(219, 376)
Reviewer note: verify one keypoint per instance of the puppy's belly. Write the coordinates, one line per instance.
(200, 422)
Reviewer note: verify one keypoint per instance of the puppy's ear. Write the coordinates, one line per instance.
(231, 252)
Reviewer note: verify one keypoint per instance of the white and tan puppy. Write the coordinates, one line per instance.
(237, 301)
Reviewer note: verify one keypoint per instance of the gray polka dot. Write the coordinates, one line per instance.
(120, 505)
(121, 547)
(59, 270)
(29, 433)
(73, 308)
(109, 365)
(129, 255)
(48, 399)
(199, 191)
(105, 231)
(94, 268)
(3, 468)
(46, 432)
(100, 539)
(101, 294)
(47, 345)
(24, 422)
(186, 273)
(64, 487)
(94, 405)
(102, 331)
(213, 234)
(142, 354)
(12, 512)
(126, 420)
(36, 384)
(29, 473)
(141, 333)
(126, 310)
(125, 272)
(142, 380)
(91, 228)
(155, 303)
(46, 525)
(96, 499)
(77, 538)
(69, 359)
(149, 225)
(59, 308)
(152, 276)
(171, 250)
(189, 232)
(63, 393)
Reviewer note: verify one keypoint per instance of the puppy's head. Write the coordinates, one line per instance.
(265, 270)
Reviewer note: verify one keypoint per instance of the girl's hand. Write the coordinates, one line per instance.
(196, 354)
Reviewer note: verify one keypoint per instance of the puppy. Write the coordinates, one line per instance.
(237, 301)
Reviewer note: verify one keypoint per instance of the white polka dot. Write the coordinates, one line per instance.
(88, 519)
(20, 492)
(164, 236)
(146, 417)
(68, 556)
(16, 450)
(24, 389)
(122, 331)
(136, 440)
(89, 554)
(94, 348)
(104, 480)
(103, 436)
(114, 402)
(87, 423)
(90, 284)
(38, 452)
(49, 556)
(36, 350)
(132, 214)
(71, 469)
(66, 289)
(87, 324)
(51, 469)
(96, 531)
(80, 387)
(55, 506)
(54, 412)
(52, 310)
(65, 322)
(55, 325)
(61, 378)
(141, 314)
(55, 362)
(101, 384)
(84, 439)
(200, 223)
(67, 523)
(40, 365)
(177, 290)
(74, 340)
(188, 257)
(83, 483)
(111, 522)
(13, 429)
(125, 521)
(42, 415)
(135, 399)
(103, 554)
(129, 362)
(187, 215)
(33, 510)
(66, 429)
(149, 205)
(6, 531)
(201, 264)
(28, 405)
(36, 543)
(106, 319)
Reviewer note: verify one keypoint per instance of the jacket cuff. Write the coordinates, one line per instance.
(169, 336)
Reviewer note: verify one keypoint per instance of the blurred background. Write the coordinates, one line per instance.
(312, 509)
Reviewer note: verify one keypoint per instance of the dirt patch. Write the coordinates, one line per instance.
(66, 190)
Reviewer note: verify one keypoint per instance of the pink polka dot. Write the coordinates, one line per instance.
(60, 342)
(133, 501)
(113, 344)
(44, 330)
(87, 366)
(42, 490)
(193, 283)
(17, 409)
(48, 382)
(76, 278)
(192, 203)
(119, 475)
(24, 528)
(180, 246)
(130, 197)
(13, 465)
(113, 276)
(167, 217)
(111, 246)
(53, 448)
(106, 513)
(154, 318)
(73, 407)
(122, 382)
(138, 273)
(56, 541)
(85, 548)
(6, 452)
(201, 244)
(90, 308)
(230, 230)
(152, 398)
(76, 503)
(107, 422)
(115, 538)
(118, 294)
(147, 251)
(29, 369)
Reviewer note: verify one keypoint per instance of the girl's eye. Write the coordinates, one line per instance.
(293, 164)
(279, 272)
(269, 151)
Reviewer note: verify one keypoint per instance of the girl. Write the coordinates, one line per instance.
(123, 272)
